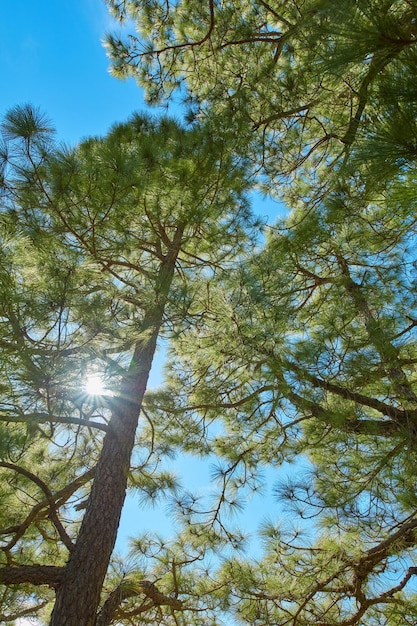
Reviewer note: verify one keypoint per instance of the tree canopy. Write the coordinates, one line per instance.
(296, 346)
(103, 245)
(303, 82)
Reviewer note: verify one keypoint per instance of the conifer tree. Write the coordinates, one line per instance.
(310, 345)
(297, 82)
(312, 348)
(99, 242)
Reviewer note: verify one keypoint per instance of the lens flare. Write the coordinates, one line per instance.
(94, 385)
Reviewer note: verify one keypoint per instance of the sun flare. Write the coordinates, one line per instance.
(95, 386)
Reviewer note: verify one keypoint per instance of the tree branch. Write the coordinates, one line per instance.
(129, 589)
(50, 575)
(378, 428)
(59, 498)
(52, 508)
(32, 610)
(43, 418)
(401, 417)
(188, 44)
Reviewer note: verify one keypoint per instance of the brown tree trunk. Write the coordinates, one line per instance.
(78, 595)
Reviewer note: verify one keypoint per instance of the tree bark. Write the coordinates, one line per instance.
(78, 596)
(50, 575)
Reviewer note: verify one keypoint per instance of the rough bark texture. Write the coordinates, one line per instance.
(50, 575)
(78, 596)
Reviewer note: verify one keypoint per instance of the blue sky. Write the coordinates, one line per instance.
(51, 56)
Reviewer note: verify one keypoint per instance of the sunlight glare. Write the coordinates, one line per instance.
(95, 385)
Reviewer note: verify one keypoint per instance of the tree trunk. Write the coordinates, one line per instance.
(78, 596)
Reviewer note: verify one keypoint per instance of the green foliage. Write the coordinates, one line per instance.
(306, 352)
(298, 84)
(87, 233)
(315, 356)
(297, 351)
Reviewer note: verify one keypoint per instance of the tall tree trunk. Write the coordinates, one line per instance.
(78, 596)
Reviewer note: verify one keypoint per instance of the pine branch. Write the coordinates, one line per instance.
(53, 514)
(50, 575)
(59, 498)
(129, 589)
(401, 417)
(45, 418)
(31, 611)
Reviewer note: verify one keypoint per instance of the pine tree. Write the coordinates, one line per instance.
(99, 243)
(302, 348)
(310, 345)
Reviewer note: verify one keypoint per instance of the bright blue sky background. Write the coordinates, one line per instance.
(51, 56)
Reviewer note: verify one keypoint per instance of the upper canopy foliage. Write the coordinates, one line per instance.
(300, 82)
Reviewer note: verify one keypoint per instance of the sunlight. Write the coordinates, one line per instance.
(94, 386)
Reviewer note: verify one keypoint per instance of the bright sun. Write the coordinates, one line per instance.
(95, 385)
